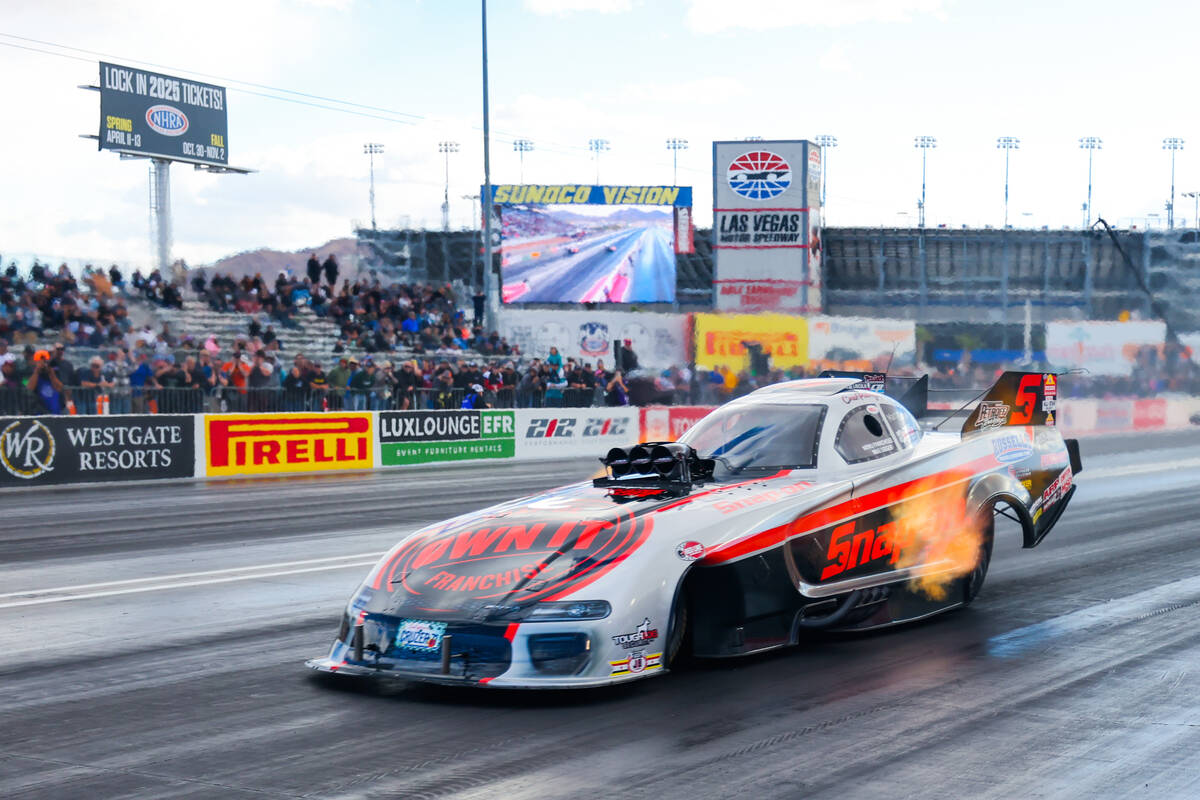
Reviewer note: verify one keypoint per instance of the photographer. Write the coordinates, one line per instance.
(45, 385)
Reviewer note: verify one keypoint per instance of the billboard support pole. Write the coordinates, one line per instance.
(491, 310)
(160, 212)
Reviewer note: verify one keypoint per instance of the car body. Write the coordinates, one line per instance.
(813, 504)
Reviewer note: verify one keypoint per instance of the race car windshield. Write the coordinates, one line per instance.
(759, 436)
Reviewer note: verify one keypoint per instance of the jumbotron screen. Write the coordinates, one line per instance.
(588, 244)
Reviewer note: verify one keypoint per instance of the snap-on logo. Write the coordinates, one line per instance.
(167, 120)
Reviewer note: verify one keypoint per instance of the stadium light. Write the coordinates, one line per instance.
(371, 149)
(675, 145)
(1091, 144)
(521, 147)
(1172, 143)
(924, 144)
(825, 141)
(1007, 144)
(597, 146)
(446, 148)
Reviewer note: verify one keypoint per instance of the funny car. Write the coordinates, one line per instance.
(818, 504)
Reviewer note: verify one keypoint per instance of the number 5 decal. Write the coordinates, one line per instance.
(1022, 413)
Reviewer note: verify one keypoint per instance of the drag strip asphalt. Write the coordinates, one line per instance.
(152, 641)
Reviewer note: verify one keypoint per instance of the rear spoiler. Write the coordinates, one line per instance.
(1016, 398)
(912, 393)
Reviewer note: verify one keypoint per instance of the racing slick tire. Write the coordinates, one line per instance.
(973, 580)
(675, 652)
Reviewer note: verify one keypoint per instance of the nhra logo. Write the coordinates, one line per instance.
(167, 120)
(759, 175)
(593, 339)
(27, 449)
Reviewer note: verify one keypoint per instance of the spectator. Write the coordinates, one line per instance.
(44, 383)
(261, 383)
(474, 398)
(295, 390)
(615, 391)
(362, 387)
(331, 270)
(314, 269)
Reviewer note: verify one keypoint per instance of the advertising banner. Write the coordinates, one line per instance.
(766, 217)
(159, 115)
(422, 437)
(48, 450)
(261, 444)
(668, 423)
(720, 339)
(1103, 348)
(658, 340)
(858, 342)
(685, 231)
(571, 432)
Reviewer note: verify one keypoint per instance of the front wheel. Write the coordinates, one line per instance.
(675, 654)
(973, 581)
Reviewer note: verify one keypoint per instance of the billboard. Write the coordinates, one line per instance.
(766, 226)
(162, 116)
(589, 244)
(45, 450)
(720, 338)
(422, 437)
(266, 444)
(658, 340)
(1102, 348)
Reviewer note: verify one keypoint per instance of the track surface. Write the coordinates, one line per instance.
(1074, 675)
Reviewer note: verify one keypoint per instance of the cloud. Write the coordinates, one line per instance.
(835, 60)
(561, 7)
(714, 16)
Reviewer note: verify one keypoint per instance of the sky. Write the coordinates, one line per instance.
(873, 73)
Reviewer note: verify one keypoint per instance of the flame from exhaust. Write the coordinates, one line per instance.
(933, 518)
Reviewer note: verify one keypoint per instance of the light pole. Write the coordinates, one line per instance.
(1195, 211)
(371, 149)
(675, 145)
(924, 144)
(446, 148)
(1091, 144)
(521, 147)
(825, 141)
(491, 308)
(1172, 143)
(597, 146)
(1007, 144)
(474, 198)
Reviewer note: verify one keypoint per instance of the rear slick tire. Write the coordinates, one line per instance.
(973, 580)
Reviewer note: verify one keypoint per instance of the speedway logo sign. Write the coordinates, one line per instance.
(89, 449)
(421, 437)
(247, 444)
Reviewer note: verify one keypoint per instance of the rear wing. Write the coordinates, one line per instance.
(1016, 398)
(912, 393)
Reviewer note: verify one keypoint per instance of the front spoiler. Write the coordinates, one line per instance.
(331, 666)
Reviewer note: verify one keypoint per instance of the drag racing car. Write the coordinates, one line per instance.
(811, 505)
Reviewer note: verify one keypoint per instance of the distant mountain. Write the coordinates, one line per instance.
(269, 262)
(629, 216)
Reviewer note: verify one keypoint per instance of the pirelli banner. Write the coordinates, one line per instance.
(721, 340)
(37, 451)
(271, 444)
(767, 226)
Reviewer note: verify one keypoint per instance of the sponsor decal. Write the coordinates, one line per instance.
(992, 414)
(636, 663)
(1049, 404)
(1055, 491)
(244, 444)
(639, 638)
(1149, 413)
(874, 382)
(91, 449)
(1056, 459)
(419, 635)
(769, 496)
(668, 423)
(1050, 419)
(689, 551)
(857, 544)
(750, 229)
(872, 409)
(419, 437)
(530, 554)
(1012, 447)
(1049, 385)
(167, 120)
(759, 175)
